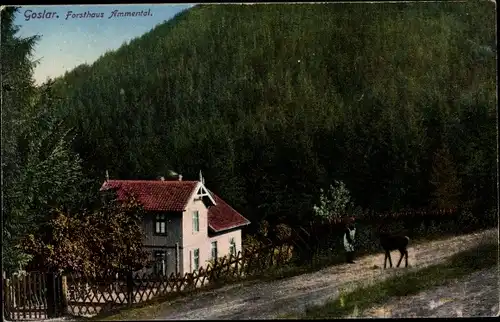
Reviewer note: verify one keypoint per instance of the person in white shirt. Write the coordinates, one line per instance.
(349, 235)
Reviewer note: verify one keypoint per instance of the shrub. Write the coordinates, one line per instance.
(466, 220)
(251, 242)
(447, 226)
(366, 239)
(283, 232)
(490, 218)
(263, 228)
(420, 230)
(334, 202)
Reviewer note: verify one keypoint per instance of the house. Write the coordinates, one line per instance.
(186, 225)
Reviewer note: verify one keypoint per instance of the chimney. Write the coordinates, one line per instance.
(180, 177)
(107, 175)
(162, 178)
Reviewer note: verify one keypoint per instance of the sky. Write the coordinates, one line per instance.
(67, 43)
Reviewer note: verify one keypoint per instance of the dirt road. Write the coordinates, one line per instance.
(272, 299)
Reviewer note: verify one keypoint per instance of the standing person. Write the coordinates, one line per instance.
(349, 234)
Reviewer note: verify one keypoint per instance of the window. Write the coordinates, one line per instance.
(160, 267)
(232, 247)
(214, 250)
(196, 258)
(160, 224)
(196, 221)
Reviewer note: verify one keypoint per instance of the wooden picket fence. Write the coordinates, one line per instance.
(87, 297)
(25, 296)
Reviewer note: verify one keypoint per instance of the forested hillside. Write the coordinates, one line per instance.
(274, 102)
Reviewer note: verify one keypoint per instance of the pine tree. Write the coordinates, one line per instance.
(39, 169)
(17, 88)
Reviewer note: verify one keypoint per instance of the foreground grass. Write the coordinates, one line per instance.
(462, 264)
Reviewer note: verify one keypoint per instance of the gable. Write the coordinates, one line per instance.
(203, 195)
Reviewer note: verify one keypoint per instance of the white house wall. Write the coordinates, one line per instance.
(192, 240)
(223, 243)
(205, 247)
(200, 240)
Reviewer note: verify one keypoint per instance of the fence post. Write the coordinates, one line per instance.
(64, 295)
(6, 297)
(236, 268)
(130, 288)
(177, 268)
(51, 294)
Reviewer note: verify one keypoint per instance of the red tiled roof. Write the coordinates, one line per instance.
(174, 196)
(154, 195)
(223, 216)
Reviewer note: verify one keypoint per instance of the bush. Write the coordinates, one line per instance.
(433, 229)
(420, 230)
(490, 218)
(283, 232)
(251, 242)
(366, 238)
(447, 226)
(263, 228)
(334, 202)
(467, 221)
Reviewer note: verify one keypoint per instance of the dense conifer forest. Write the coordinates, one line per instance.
(273, 102)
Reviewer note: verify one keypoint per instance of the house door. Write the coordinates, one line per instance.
(160, 262)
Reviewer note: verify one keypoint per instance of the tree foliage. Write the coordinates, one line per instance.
(16, 90)
(101, 242)
(40, 169)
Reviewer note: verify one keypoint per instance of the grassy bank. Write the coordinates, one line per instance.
(464, 263)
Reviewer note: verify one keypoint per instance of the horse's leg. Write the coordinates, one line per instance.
(400, 258)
